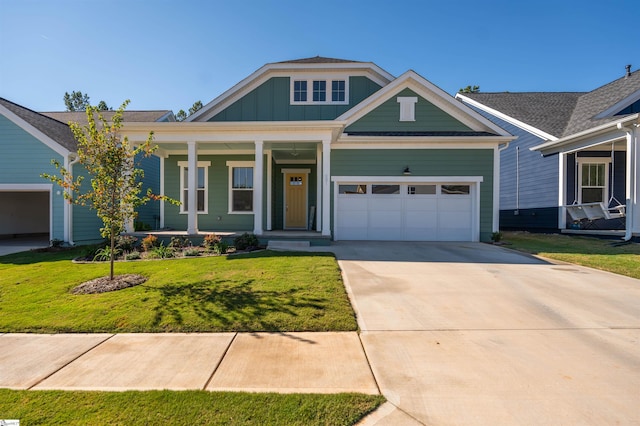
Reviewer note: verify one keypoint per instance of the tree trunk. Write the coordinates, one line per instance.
(113, 246)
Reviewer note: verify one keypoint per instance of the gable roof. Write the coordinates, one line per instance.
(127, 116)
(287, 68)
(432, 93)
(561, 114)
(52, 129)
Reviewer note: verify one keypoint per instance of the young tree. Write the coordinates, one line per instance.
(110, 161)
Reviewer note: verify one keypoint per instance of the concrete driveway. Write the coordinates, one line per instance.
(20, 244)
(473, 334)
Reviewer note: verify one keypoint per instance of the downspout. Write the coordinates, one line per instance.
(70, 205)
(630, 190)
(496, 186)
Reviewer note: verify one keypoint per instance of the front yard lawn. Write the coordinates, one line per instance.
(184, 408)
(604, 254)
(260, 291)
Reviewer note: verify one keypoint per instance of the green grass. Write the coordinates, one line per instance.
(261, 291)
(183, 408)
(604, 254)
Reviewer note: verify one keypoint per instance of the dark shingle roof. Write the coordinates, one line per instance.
(317, 60)
(562, 113)
(59, 132)
(423, 133)
(128, 116)
(547, 111)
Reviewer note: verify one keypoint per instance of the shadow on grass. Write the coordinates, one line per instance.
(274, 253)
(229, 306)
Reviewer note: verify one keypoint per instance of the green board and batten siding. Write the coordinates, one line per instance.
(428, 117)
(424, 162)
(271, 102)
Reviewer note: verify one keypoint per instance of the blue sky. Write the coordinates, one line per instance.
(167, 54)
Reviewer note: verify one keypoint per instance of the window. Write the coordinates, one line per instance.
(315, 91)
(352, 189)
(319, 91)
(385, 189)
(593, 182)
(454, 190)
(202, 179)
(337, 91)
(421, 189)
(240, 186)
(300, 91)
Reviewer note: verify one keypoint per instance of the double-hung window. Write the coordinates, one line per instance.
(319, 91)
(300, 91)
(202, 179)
(240, 187)
(593, 180)
(337, 91)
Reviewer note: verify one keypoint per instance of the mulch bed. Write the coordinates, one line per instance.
(104, 284)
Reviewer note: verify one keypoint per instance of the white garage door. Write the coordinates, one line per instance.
(405, 212)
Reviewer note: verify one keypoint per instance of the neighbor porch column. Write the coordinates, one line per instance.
(258, 179)
(562, 190)
(192, 179)
(326, 188)
(318, 187)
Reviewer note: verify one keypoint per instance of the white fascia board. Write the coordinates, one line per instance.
(423, 141)
(27, 127)
(524, 126)
(431, 93)
(268, 71)
(588, 138)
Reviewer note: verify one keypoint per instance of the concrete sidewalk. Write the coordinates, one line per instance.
(330, 362)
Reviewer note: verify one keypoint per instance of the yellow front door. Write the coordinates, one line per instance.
(295, 200)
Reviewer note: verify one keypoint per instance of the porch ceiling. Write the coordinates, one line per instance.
(282, 151)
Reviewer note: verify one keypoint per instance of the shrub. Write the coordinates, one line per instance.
(134, 255)
(104, 254)
(246, 242)
(496, 237)
(191, 252)
(179, 243)
(220, 247)
(56, 242)
(210, 240)
(161, 252)
(149, 242)
(126, 243)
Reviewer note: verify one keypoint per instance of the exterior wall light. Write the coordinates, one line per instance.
(406, 171)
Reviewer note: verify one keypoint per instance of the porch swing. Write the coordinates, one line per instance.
(589, 212)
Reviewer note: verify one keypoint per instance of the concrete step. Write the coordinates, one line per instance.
(287, 245)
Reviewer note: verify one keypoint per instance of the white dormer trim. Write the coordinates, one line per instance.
(33, 131)
(407, 107)
(520, 124)
(619, 106)
(429, 91)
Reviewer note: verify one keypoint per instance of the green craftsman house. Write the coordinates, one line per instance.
(331, 149)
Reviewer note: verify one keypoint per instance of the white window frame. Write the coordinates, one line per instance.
(594, 160)
(231, 165)
(310, 79)
(184, 186)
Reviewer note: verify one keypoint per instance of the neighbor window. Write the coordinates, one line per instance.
(240, 186)
(593, 182)
(201, 186)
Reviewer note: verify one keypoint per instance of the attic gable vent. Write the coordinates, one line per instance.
(407, 108)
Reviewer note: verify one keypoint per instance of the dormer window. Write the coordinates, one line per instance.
(313, 91)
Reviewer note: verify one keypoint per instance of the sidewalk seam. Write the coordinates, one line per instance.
(70, 361)
(224, 354)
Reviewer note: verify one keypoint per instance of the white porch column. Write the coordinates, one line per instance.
(318, 187)
(192, 180)
(269, 185)
(258, 177)
(633, 189)
(562, 191)
(326, 187)
(161, 224)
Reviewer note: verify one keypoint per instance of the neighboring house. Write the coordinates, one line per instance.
(572, 149)
(31, 205)
(341, 148)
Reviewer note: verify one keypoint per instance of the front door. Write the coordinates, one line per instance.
(295, 200)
